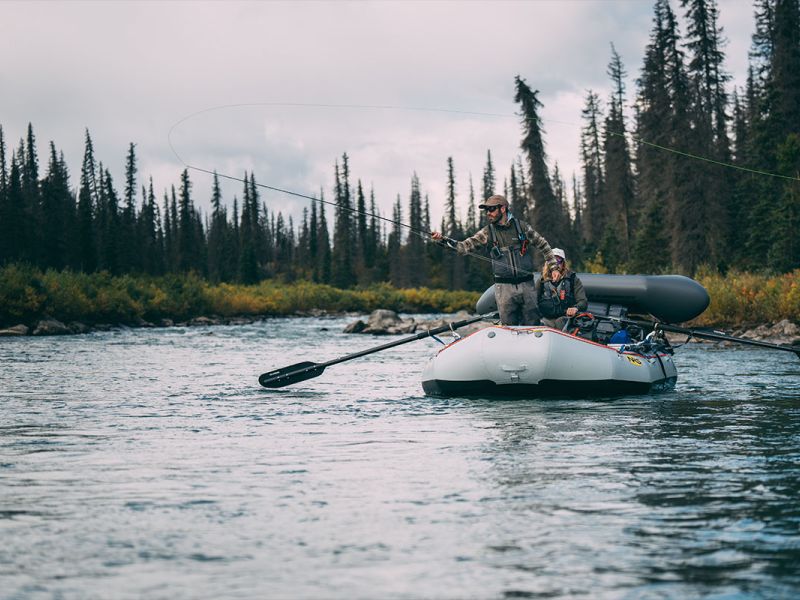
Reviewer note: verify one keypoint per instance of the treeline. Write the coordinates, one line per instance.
(646, 201)
(656, 191)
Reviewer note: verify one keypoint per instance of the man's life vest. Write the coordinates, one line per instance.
(556, 298)
(512, 263)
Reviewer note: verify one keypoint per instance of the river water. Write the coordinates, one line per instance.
(149, 463)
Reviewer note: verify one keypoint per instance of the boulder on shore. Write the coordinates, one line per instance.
(387, 322)
(51, 327)
(15, 331)
(782, 332)
(78, 327)
(355, 327)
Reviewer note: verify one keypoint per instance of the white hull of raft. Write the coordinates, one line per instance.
(543, 362)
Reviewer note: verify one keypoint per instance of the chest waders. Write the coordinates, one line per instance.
(511, 263)
(557, 298)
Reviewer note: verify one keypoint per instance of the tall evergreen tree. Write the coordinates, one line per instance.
(397, 271)
(58, 221)
(489, 183)
(108, 224)
(5, 210)
(343, 235)
(362, 230)
(597, 211)
(13, 240)
(472, 214)
(709, 121)
(618, 190)
(665, 180)
(453, 228)
(248, 236)
(455, 273)
(784, 254)
(416, 272)
(217, 235)
(324, 268)
(31, 198)
(129, 256)
(188, 252)
(313, 236)
(87, 205)
(547, 214)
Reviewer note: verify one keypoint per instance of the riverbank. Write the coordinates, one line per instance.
(83, 302)
(35, 302)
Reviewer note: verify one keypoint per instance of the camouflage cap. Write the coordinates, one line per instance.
(496, 200)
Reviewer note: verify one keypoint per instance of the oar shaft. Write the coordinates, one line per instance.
(414, 338)
(308, 370)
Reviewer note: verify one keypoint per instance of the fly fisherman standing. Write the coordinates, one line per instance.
(509, 242)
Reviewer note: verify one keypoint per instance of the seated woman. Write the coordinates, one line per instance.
(560, 293)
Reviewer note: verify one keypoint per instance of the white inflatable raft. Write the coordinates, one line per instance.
(540, 361)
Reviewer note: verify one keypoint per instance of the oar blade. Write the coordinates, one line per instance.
(291, 374)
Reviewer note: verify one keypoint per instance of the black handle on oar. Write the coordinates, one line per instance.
(308, 370)
(708, 335)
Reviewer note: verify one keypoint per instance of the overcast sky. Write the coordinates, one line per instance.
(134, 71)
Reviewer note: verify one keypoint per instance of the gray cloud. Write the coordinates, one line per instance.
(130, 70)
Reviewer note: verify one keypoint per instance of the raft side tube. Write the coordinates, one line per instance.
(669, 298)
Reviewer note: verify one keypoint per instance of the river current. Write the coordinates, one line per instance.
(150, 464)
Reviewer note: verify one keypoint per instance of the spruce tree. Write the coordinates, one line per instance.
(187, 247)
(130, 258)
(665, 179)
(455, 274)
(5, 208)
(489, 183)
(13, 223)
(618, 188)
(343, 237)
(324, 268)
(472, 216)
(313, 237)
(217, 234)
(248, 236)
(709, 126)
(31, 199)
(362, 230)
(109, 224)
(397, 271)
(375, 251)
(3, 171)
(57, 223)
(87, 205)
(784, 253)
(416, 272)
(547, 214)
(598, 213)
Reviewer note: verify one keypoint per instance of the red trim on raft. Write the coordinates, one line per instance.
(545, 328)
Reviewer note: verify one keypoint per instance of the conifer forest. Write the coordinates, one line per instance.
(685, 172)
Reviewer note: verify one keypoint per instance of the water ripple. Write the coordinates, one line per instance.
(150, 463)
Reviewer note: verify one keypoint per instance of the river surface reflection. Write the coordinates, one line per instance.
(149, 463)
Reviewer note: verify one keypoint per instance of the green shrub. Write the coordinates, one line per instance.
(28, 294)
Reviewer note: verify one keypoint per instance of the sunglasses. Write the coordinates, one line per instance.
(490, 209)
(559, 260)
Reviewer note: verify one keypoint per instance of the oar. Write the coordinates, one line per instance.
(708, 335)
(308, 370)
